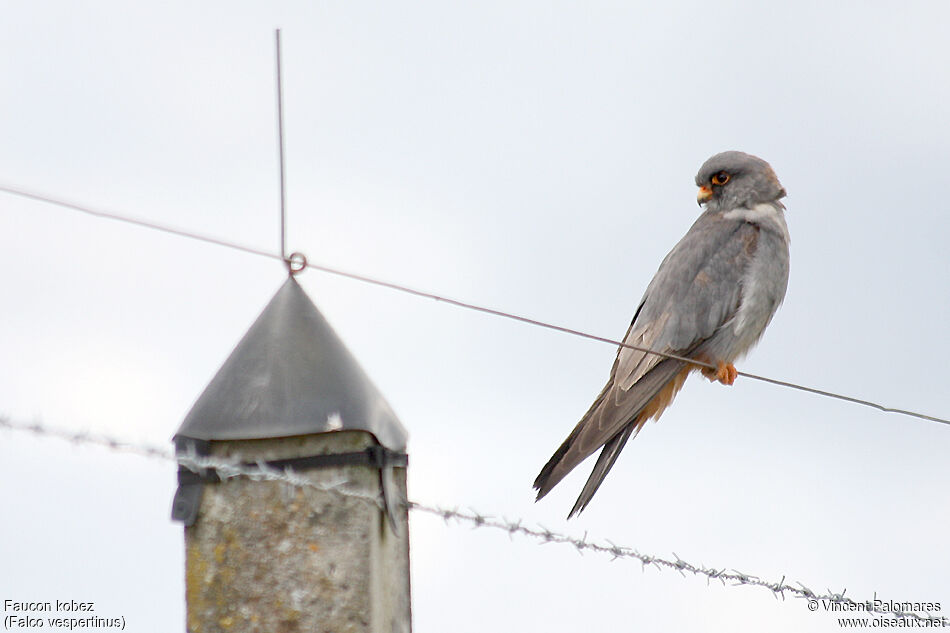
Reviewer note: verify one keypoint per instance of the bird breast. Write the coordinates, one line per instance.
(765, 280)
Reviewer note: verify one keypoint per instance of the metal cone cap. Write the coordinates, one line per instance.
(291, 375)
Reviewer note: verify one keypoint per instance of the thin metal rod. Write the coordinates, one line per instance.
(455, 302)
(155, 226)
(280, 150)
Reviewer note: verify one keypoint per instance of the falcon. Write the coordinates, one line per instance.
(710, 301)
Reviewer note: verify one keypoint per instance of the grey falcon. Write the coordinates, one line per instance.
(710, 301)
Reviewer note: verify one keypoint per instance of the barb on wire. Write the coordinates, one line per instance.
(227, 469)
(461, 304)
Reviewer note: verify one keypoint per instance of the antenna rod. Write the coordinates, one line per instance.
(280, 141)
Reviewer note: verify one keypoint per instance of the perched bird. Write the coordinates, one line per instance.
(710, 301)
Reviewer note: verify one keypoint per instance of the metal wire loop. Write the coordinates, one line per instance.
(296, 263)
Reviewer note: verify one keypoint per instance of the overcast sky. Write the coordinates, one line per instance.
(532, 157)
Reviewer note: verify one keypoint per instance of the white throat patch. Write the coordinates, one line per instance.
(765, 214)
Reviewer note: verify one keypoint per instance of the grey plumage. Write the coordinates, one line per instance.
(710, 300)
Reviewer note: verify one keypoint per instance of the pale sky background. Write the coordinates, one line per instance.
(532, 157)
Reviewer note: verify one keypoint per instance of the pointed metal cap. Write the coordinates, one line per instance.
(291, 375)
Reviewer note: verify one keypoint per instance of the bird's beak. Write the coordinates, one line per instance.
(705, 193)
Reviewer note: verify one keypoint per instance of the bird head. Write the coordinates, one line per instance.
(735, 179)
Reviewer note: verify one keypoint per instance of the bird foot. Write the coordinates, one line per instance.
(725, 373)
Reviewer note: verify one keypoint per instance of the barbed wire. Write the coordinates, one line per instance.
(443, 299)
(261, 471)
(91, 439)
(724, 575)
(228, 469)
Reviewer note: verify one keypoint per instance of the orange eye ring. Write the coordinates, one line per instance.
(720, 179)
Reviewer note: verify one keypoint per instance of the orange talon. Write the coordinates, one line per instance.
(726, 374)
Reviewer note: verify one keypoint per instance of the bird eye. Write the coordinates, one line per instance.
(720, 179)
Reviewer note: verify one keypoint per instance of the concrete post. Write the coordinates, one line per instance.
(271, 557)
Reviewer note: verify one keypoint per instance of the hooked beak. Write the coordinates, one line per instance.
(705, 193)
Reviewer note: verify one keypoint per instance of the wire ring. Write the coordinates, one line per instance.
(296, 262)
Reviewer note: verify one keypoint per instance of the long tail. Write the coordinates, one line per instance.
(559, 465)
(609, 423)
(604, 463)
